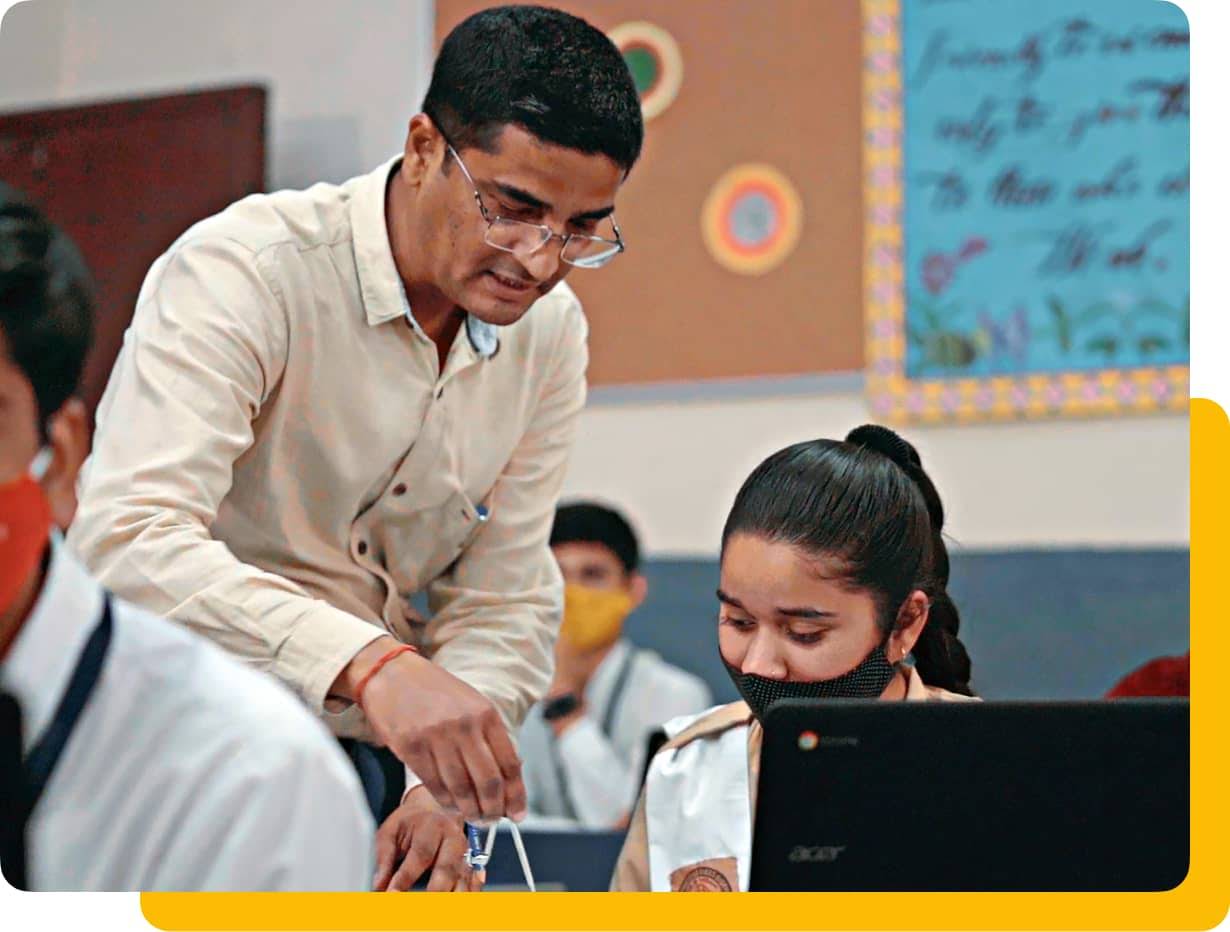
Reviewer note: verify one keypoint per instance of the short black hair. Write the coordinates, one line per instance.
(549, 72)
(591, 523)
(46, 302)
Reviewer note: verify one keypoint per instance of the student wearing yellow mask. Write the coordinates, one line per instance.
(584, 745)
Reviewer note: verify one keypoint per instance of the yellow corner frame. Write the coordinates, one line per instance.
(1200, 902)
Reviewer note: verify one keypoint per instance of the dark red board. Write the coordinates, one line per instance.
(125, 178)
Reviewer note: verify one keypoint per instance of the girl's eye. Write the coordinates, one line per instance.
(806, 637)
(739, 624)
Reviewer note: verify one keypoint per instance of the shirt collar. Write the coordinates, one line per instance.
(380, 285)
(484, 337)
(47, 647)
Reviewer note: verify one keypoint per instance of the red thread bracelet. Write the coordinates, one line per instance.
(377, 667)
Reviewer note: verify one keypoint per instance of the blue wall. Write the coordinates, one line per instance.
(1055, 624)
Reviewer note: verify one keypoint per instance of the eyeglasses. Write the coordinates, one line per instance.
(524, 239)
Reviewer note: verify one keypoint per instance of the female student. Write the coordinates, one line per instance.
(833, 573)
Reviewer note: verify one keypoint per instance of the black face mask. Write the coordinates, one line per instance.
(866, 681)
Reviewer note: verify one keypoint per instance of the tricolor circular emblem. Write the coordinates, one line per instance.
(654, 60)
(752, 219)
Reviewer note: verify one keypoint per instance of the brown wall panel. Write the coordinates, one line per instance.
(124, 179)
(776, 81)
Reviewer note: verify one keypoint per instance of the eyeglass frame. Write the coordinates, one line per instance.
(564, 238)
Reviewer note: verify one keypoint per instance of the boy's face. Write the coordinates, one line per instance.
(67, 434)
(19, 434)
(587, 563)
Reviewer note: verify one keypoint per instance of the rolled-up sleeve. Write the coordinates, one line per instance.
(205, 350)
(496, 613)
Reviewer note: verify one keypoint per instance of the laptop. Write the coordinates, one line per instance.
(562, 859)
(990, 796)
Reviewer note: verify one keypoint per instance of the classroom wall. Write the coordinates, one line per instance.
(753, 73)
(1093, 514)
(676, 465)
(344, 77)
(342, 86)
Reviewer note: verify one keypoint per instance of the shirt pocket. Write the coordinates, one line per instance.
(420, 545)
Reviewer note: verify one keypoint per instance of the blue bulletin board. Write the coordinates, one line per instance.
(1027, 207)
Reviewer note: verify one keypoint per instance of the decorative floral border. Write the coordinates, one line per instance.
(891, 394)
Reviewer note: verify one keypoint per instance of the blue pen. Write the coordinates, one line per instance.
(476, 858)
(478, 855)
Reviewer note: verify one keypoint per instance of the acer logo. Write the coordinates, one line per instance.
(815, 854)
(839, 741)
(809, 741)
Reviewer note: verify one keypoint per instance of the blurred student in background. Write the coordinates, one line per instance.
(149, 759)
(584, 745)
(1161, 676)
(833, 575)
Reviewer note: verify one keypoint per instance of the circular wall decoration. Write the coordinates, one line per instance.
(752, 219)
(654, 60)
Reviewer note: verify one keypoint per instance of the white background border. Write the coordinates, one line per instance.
(1210, 217)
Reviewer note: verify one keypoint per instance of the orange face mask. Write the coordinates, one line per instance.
(593, 618)
(25, 526)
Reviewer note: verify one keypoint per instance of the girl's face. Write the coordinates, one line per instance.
(785, 616)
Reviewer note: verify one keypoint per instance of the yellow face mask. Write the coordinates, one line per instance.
(593, 618)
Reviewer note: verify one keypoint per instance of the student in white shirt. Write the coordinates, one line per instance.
(150, 759)
(833, 573)
(584, 745)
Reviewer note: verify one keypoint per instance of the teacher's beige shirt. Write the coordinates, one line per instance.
(279, 463)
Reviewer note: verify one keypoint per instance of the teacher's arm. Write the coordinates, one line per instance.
(496, 613)
(205, 350)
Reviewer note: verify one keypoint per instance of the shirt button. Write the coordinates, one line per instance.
(399, 489)
(362, 547)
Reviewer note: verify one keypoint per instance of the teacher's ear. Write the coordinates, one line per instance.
(424, 149)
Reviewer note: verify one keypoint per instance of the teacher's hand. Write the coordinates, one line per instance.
(420, 836)
(444, 730)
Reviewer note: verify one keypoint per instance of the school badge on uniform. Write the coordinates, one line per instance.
(712, 875)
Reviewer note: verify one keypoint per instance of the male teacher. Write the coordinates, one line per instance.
(332, 399)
